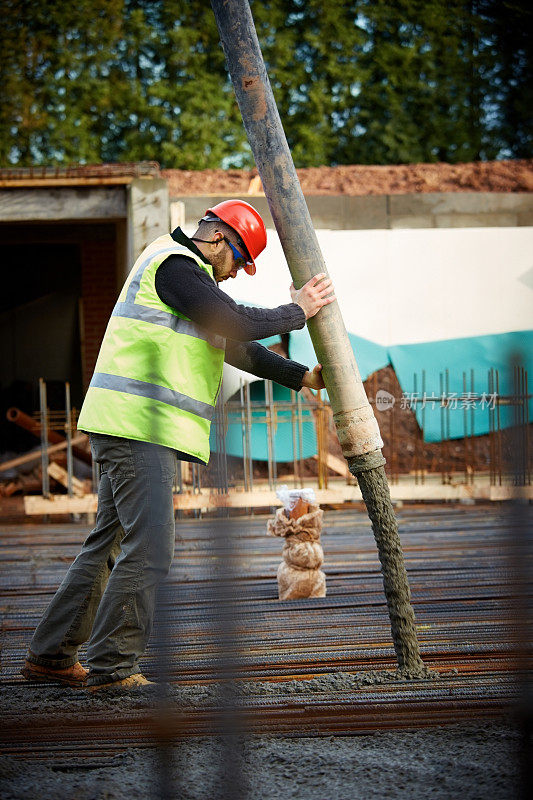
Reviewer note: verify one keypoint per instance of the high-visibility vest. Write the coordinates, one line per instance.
(158, 374)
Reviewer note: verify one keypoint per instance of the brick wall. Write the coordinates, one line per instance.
(99, 292)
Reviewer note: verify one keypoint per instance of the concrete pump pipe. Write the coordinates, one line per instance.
(355, 422)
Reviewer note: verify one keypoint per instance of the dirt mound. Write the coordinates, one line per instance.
(483, 176)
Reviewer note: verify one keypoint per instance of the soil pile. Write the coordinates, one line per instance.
(356, 179)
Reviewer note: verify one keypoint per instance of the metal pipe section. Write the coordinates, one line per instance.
(27, 458)
(354, 418)
(357, 428)
(271, 423)
(249, 437)
(17, 416)
(44, 438)
(300, 438)
(293, 430)
(244, 438)
(68, 430)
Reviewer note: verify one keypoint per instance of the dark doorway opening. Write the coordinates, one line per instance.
(39, 328)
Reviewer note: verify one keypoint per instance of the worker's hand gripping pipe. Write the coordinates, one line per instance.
(356, 425)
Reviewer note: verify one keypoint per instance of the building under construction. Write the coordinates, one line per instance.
(257, 692)
(444, 396)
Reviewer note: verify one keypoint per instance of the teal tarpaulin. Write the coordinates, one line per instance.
(369, 355)
(474, 357)
(282, 429)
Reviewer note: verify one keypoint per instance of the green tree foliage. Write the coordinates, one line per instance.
(55, 67)
(359, 81)
(421, 84)
(509, 30)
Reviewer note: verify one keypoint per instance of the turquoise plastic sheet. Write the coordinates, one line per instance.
(282, 432)
(444, 363)
(473, 357)
(369, 355)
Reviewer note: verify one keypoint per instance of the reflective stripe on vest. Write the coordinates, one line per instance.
(135, 283)
(159, 317)
(117, 383)
(158, 373)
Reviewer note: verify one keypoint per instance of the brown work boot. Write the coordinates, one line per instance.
(131, 682)
(76, 675)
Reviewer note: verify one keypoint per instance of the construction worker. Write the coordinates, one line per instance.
(149, 403)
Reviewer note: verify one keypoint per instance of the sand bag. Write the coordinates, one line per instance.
(300, 523)
(307, 527)
(302, 555)
(294, 584)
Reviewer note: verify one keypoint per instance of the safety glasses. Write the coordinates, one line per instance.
(239, 259)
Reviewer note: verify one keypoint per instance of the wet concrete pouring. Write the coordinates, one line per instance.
(318, 709)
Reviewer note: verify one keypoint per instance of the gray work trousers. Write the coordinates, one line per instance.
(108, 595)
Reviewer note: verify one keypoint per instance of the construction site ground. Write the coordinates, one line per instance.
(317, 710)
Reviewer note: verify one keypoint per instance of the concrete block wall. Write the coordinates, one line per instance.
(461, 210)
(371, 212)
(148, 215)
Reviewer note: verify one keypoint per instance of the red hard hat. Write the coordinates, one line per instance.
(245, 221)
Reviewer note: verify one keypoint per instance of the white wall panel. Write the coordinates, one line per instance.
(413, 285)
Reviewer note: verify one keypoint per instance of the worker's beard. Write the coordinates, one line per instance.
(219, 268)
(218, 264)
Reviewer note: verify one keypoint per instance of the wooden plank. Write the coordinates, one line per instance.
(62, 504)
(148, 213)
(436, 491)
(35, 455)
(338, 465)
(51, 183)
(12, 507)
(520, 493)
(60, 475)
(206, 499)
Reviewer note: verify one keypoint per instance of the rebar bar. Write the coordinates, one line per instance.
(45, 478)
(68, 431)
(466, 601)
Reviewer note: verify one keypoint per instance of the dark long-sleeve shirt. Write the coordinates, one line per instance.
(181, 284)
